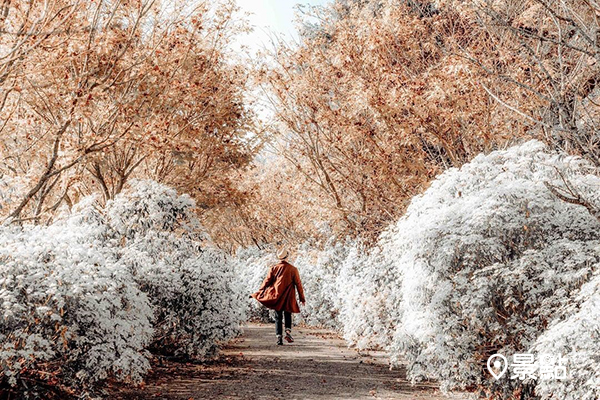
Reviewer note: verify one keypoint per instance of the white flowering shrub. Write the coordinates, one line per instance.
(84, 298)
(351, 288)
(196, 296)
(319, 270)
(69, 310)
(252, 266)
(488, 257)
(576, 337)
(369, 291)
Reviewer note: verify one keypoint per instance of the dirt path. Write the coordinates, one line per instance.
(316, 366)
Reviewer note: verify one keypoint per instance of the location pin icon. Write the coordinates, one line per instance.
(497, 362)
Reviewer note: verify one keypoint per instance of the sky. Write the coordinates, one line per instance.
(271, 16)
(268, 18)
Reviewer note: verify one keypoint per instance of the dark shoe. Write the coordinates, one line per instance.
(279, 340)
(288, 336)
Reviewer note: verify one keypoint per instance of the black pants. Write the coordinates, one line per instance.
(288, 321)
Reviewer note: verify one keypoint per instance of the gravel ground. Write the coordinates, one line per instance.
(316, 366)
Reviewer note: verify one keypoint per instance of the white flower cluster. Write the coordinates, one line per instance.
(67, 300)
(252, 266)
(88, 295)
(489, 259)
(196, 297)
(368, 291)
(319, 272)
(575, 335)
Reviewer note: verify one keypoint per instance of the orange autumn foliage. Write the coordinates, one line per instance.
(374, 103)
(97, 93)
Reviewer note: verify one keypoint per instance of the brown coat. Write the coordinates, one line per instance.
(278, 291)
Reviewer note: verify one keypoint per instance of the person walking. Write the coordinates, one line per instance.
(278, 292)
